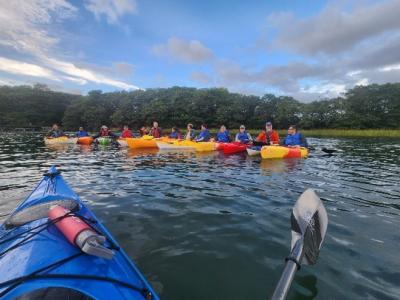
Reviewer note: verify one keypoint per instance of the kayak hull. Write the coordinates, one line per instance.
(93, 276)
(137, 143)
(122, 142)
(175, 145)
(85, 140)
(253, 151)
(233, 148)
(60, 140)
(274, 152)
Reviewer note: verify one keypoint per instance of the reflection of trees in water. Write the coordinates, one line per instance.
(269, 166)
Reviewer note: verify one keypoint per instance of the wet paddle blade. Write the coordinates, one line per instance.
(309, 221)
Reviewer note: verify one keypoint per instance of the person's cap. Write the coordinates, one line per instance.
(242, 127)
(104, 127)
(268, 124)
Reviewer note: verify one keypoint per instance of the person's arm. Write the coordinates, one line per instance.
(237, 137)
(303, 141)
(276, 137)
(249, 137)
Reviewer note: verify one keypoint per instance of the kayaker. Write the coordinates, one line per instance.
(204, 135)
(267, 136)
(55, 132)
(104, 132)
(81, 132)
(175, 133)
(243, 136)
(155, 131)
(190, 133)
(223, 135)
(126, 132)
(295, 138)
(143, 131)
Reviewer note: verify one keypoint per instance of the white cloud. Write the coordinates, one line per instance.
(390, 68)
(112, 10)
(22, 68)
(334, 29)
(185, 51)
(85, 74)
(30, 31)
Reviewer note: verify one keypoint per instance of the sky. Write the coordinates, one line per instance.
(306, 49)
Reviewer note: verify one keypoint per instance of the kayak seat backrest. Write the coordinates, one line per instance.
(38, 211)
(53, 293)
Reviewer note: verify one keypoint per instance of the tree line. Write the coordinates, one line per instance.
(362, 107)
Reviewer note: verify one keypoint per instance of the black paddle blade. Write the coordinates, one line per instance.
(309, 222)
(329, 151)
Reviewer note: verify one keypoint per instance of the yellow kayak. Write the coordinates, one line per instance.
(186, 145)
(268, 152)
(146, 141)
(60, 140)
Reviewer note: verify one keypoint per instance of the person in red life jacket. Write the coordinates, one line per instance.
(175, 134)
(126, 132)
(267, 136)
(143, 131)
(155, 131)
(295, 139)
(104, 132)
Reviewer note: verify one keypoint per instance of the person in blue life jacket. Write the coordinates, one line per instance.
(295, 138)
(175, 133)
(223, 135)
(55, 132)
(243, 136)
(204, 135)
(81, 132)
(190, 133)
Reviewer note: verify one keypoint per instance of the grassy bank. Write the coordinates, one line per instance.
(372, 133)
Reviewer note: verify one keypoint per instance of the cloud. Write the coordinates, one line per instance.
(112, 10)
(85, 74)
(334, 30)
(31, 33)
(190, 52)
(201, 77)
(22, 68)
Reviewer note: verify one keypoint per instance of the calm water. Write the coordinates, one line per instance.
(206, 226)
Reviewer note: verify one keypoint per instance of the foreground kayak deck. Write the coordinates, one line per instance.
(36, 255)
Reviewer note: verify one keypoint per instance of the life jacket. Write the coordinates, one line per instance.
(268, 137)
(190, 135)
(293, 140)
(204, 136)
(126, 133)
(104, 132)
(175, 135)
(81, 133)
(223, 137)
(243, 137)
(155, 132)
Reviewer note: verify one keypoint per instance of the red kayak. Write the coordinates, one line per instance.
(220, 146)
(235, 147)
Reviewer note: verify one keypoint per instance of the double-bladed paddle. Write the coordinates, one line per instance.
(309, 222)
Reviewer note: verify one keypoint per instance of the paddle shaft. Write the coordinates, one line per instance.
(288, 273)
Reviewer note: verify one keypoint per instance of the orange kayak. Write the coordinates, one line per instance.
(85, 140)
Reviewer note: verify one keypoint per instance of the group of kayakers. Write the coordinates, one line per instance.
(268, 136)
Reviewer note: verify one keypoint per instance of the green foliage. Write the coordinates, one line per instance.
(373, 106)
